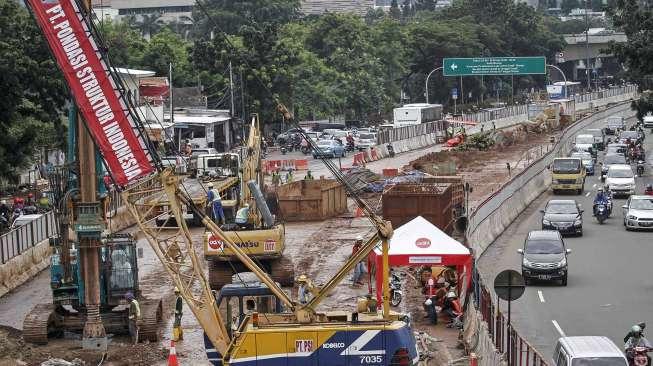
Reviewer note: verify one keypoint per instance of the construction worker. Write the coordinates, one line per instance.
(177, 330)
(134, 316)
(242, 217)
(276, 178)
(214, 202)
(359, 269)
(303, 292)
(308, 176)
(289, 177)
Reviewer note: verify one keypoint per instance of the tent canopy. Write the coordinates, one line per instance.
(419, 242)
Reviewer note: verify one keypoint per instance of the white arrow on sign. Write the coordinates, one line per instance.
(454, 67)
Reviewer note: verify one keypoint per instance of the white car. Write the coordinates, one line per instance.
(620, 180)
(648, 121)
(584, 142)
(638, 212)
(365, 140)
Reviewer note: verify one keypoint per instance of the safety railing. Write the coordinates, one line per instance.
(22, 238)
(407, 132)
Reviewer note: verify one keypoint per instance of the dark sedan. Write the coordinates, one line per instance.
(564, 216)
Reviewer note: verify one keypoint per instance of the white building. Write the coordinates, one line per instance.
(359, 7)
(170, 10)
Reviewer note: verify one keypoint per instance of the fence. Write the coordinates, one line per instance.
(515, 111)
(490, 219)
(24, 237)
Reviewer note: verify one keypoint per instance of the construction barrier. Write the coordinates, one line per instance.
(359, 159)
(374, 155)
(301, 164)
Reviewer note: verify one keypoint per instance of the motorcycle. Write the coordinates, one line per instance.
(639, 355)
(350, 146)
(305, 149)
(396, 294)
(640, 168)
(391, 150)
(283, 150)
(601, 212)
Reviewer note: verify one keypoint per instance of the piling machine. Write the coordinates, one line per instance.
(301, 334)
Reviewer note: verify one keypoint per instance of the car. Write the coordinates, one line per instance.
(584, 142)
(634, 136)
(587, 159)
(616, 148)
(284, 136)
(340, 135)
(544, 257)
(611, 159)
(202, 151)
(315, 136)
(613, 124)
(620, 180)
(648, 121)
(638, 213)
(565, 216)
(365, 140)
(599, 137)
(329, 148)
(586, 351)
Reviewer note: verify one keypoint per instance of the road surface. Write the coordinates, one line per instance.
(610, 273)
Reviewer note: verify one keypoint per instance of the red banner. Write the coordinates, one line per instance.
(95, 92)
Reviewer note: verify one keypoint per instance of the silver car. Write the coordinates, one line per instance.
(638, 213)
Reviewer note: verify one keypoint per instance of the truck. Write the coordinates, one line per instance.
(568, 174)
(415, 114)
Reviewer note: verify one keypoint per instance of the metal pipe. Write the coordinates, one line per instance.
(587, 45)
(261, 205)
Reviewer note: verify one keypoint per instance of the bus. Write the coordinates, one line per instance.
(415, 114)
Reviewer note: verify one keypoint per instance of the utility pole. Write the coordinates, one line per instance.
(89, 208)
(587, 44)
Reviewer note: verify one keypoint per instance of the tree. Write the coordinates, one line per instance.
(395, 12)
(33, 91)
(125, 45)
(635, 21)
(167, 47)
(150, 24)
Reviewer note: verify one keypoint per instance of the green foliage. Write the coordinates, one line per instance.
(33, 90)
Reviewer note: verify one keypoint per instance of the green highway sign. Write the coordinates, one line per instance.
(494, 66)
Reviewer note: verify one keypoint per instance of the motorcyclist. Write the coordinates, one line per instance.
(636, 339)
(601, 198)
(649, 190)
(641, 325)
(350, 140)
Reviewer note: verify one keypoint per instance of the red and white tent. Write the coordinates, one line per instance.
(420, 243)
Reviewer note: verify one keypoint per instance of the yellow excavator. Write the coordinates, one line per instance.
(298, 335)
(262, 238)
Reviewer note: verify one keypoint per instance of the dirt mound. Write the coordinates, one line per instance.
(14, 351)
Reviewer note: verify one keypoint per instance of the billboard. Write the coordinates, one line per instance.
(96, 95)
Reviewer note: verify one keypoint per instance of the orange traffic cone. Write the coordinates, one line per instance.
(172, 357)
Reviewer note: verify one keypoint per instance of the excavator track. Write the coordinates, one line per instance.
(38, 322)
(282, 270)
(151, 315)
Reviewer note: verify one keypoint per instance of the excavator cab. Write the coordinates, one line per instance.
(119, 269)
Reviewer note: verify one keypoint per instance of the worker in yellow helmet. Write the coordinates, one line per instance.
(177, 331)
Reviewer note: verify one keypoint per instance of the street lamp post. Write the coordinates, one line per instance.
(587, 44)
(563, 76)
(426, 86)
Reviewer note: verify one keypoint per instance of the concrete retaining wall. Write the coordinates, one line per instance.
(20, 269)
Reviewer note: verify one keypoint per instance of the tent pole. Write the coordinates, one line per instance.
(386, 280)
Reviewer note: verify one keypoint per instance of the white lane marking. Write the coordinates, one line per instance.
(541, 296)
(588, 194)
(557, 326)
(594, 185)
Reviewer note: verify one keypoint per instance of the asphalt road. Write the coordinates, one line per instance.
(610, 283)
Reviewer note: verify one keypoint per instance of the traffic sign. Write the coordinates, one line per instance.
(509, 285)
(494, 66)
(454, 93)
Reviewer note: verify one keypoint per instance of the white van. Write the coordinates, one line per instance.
(220, 165)
(648, 121)
(587, 351)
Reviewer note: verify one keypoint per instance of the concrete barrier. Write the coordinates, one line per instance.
(23, 267)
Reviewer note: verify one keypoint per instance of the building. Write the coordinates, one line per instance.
(202, 128)
(169, 10)
(316, 7)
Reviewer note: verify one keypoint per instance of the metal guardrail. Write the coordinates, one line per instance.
(19, 240)
(407, 132)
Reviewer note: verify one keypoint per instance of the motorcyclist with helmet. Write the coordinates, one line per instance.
(601, 198)
(636, 339)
